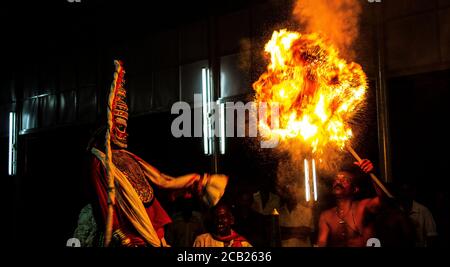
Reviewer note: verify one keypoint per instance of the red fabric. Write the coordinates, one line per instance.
(158, 216)
(100, 183)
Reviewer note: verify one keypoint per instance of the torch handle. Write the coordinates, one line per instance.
(373, 176)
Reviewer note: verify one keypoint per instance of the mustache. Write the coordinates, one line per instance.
(338, 185)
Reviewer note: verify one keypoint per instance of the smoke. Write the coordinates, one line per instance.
(336, 20)
(245, 63)
(290, 171)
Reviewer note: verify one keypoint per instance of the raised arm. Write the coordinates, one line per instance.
(372, 204)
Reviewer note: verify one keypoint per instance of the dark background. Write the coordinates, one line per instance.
(57, 65)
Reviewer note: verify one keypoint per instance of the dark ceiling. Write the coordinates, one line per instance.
(117, 15)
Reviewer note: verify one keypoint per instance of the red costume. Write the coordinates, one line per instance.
(137, 218)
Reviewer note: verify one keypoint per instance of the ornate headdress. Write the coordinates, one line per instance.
(119, 108)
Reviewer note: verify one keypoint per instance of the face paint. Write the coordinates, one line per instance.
(119, 135)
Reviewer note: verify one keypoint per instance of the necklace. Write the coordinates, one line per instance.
(343, 223)
(340, 214)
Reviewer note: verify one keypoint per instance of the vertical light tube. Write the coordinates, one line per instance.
(207, 105)
(222, 128)
(314, 179)
(307, 188)
(209, 99)
(205, 112)
(12, 144)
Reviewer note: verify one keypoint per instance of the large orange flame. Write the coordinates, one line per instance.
(317, 92)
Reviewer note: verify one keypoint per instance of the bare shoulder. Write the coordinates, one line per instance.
(362, 203)
(326, 214)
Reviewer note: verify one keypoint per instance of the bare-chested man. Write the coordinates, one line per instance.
(346, 224)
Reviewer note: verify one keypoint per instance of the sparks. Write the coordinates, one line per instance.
(317, 91)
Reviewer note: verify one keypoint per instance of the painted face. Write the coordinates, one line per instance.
(119, 135)
(223, 221)
(342, 185)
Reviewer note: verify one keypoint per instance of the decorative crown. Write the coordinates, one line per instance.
(120, 107)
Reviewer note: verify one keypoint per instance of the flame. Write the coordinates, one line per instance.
(317, 92)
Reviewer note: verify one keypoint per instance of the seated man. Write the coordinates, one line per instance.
(346, 224)
(223, 235)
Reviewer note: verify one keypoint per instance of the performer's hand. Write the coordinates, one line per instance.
(365, 165)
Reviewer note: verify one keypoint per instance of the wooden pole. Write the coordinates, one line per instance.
(374, 178)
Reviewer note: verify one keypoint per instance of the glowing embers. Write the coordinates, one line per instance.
(308, 172)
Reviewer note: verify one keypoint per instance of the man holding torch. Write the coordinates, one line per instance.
(346, 225)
